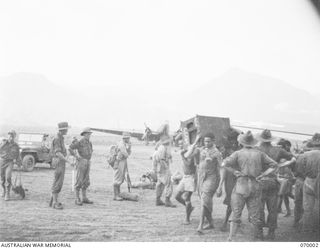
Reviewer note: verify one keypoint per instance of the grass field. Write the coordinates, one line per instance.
(106, 220)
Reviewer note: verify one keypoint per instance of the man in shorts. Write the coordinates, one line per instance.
(188, 183)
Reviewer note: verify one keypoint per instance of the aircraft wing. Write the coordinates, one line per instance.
(138, 135)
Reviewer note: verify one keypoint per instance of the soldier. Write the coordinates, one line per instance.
(82, 150)
(298, 192)
(270, 186)
(59, 160)
(162, 159)
(188, 183)
(9, 155)
(247, 165)
(309, 167)
(227, 178)
(45, 144)
(121, 165)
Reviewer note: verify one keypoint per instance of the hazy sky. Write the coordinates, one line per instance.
(169, 44)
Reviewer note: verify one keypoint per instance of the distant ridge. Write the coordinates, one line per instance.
(32, 100)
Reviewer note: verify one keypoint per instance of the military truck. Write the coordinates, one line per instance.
(34, 149)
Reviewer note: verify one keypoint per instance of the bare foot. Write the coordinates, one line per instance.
(186, 222)
(200, 231)
(208, 227)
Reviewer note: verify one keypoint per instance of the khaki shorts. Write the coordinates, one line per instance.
(187, 184)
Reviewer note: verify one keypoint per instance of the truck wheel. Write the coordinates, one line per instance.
(28, 162)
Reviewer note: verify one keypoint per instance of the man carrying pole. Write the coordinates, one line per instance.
(188, 183)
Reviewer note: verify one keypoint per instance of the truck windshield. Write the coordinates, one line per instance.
(31, 137)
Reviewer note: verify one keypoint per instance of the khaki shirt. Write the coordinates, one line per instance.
(124, 151)
(250, 161)
(10, 151)
(58, 145)
(162, 158)
(84, 148)
(308, 164)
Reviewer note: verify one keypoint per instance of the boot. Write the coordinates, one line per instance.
(7, 194)
(78, 201)
(288, 213)
(85, 198)
(159, 202)
(233, 230)
(271, 235)
(168, 203)
(258, 233)
(116, 191)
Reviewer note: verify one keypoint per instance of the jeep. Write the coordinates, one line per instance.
(34, 149)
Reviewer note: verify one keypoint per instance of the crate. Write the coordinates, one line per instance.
(219, 126)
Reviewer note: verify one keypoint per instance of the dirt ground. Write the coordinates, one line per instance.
(106, 220)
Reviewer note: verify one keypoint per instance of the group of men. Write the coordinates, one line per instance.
(252, 175)
(255, 175)
(81, 150)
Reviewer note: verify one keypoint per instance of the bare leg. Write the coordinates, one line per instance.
(202, 216)
(226, 219)
(189, 207)
(180, 199)
(209, 219)
(286, 202)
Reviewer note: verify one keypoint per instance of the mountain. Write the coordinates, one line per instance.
(32, 100)
(251, 97)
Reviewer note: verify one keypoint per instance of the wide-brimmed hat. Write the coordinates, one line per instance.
(63, 126)
(314, 142)
(86, 130)
(284, 142)
(247, 139)
(12, 132)
(265, 136)
(126, 135)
